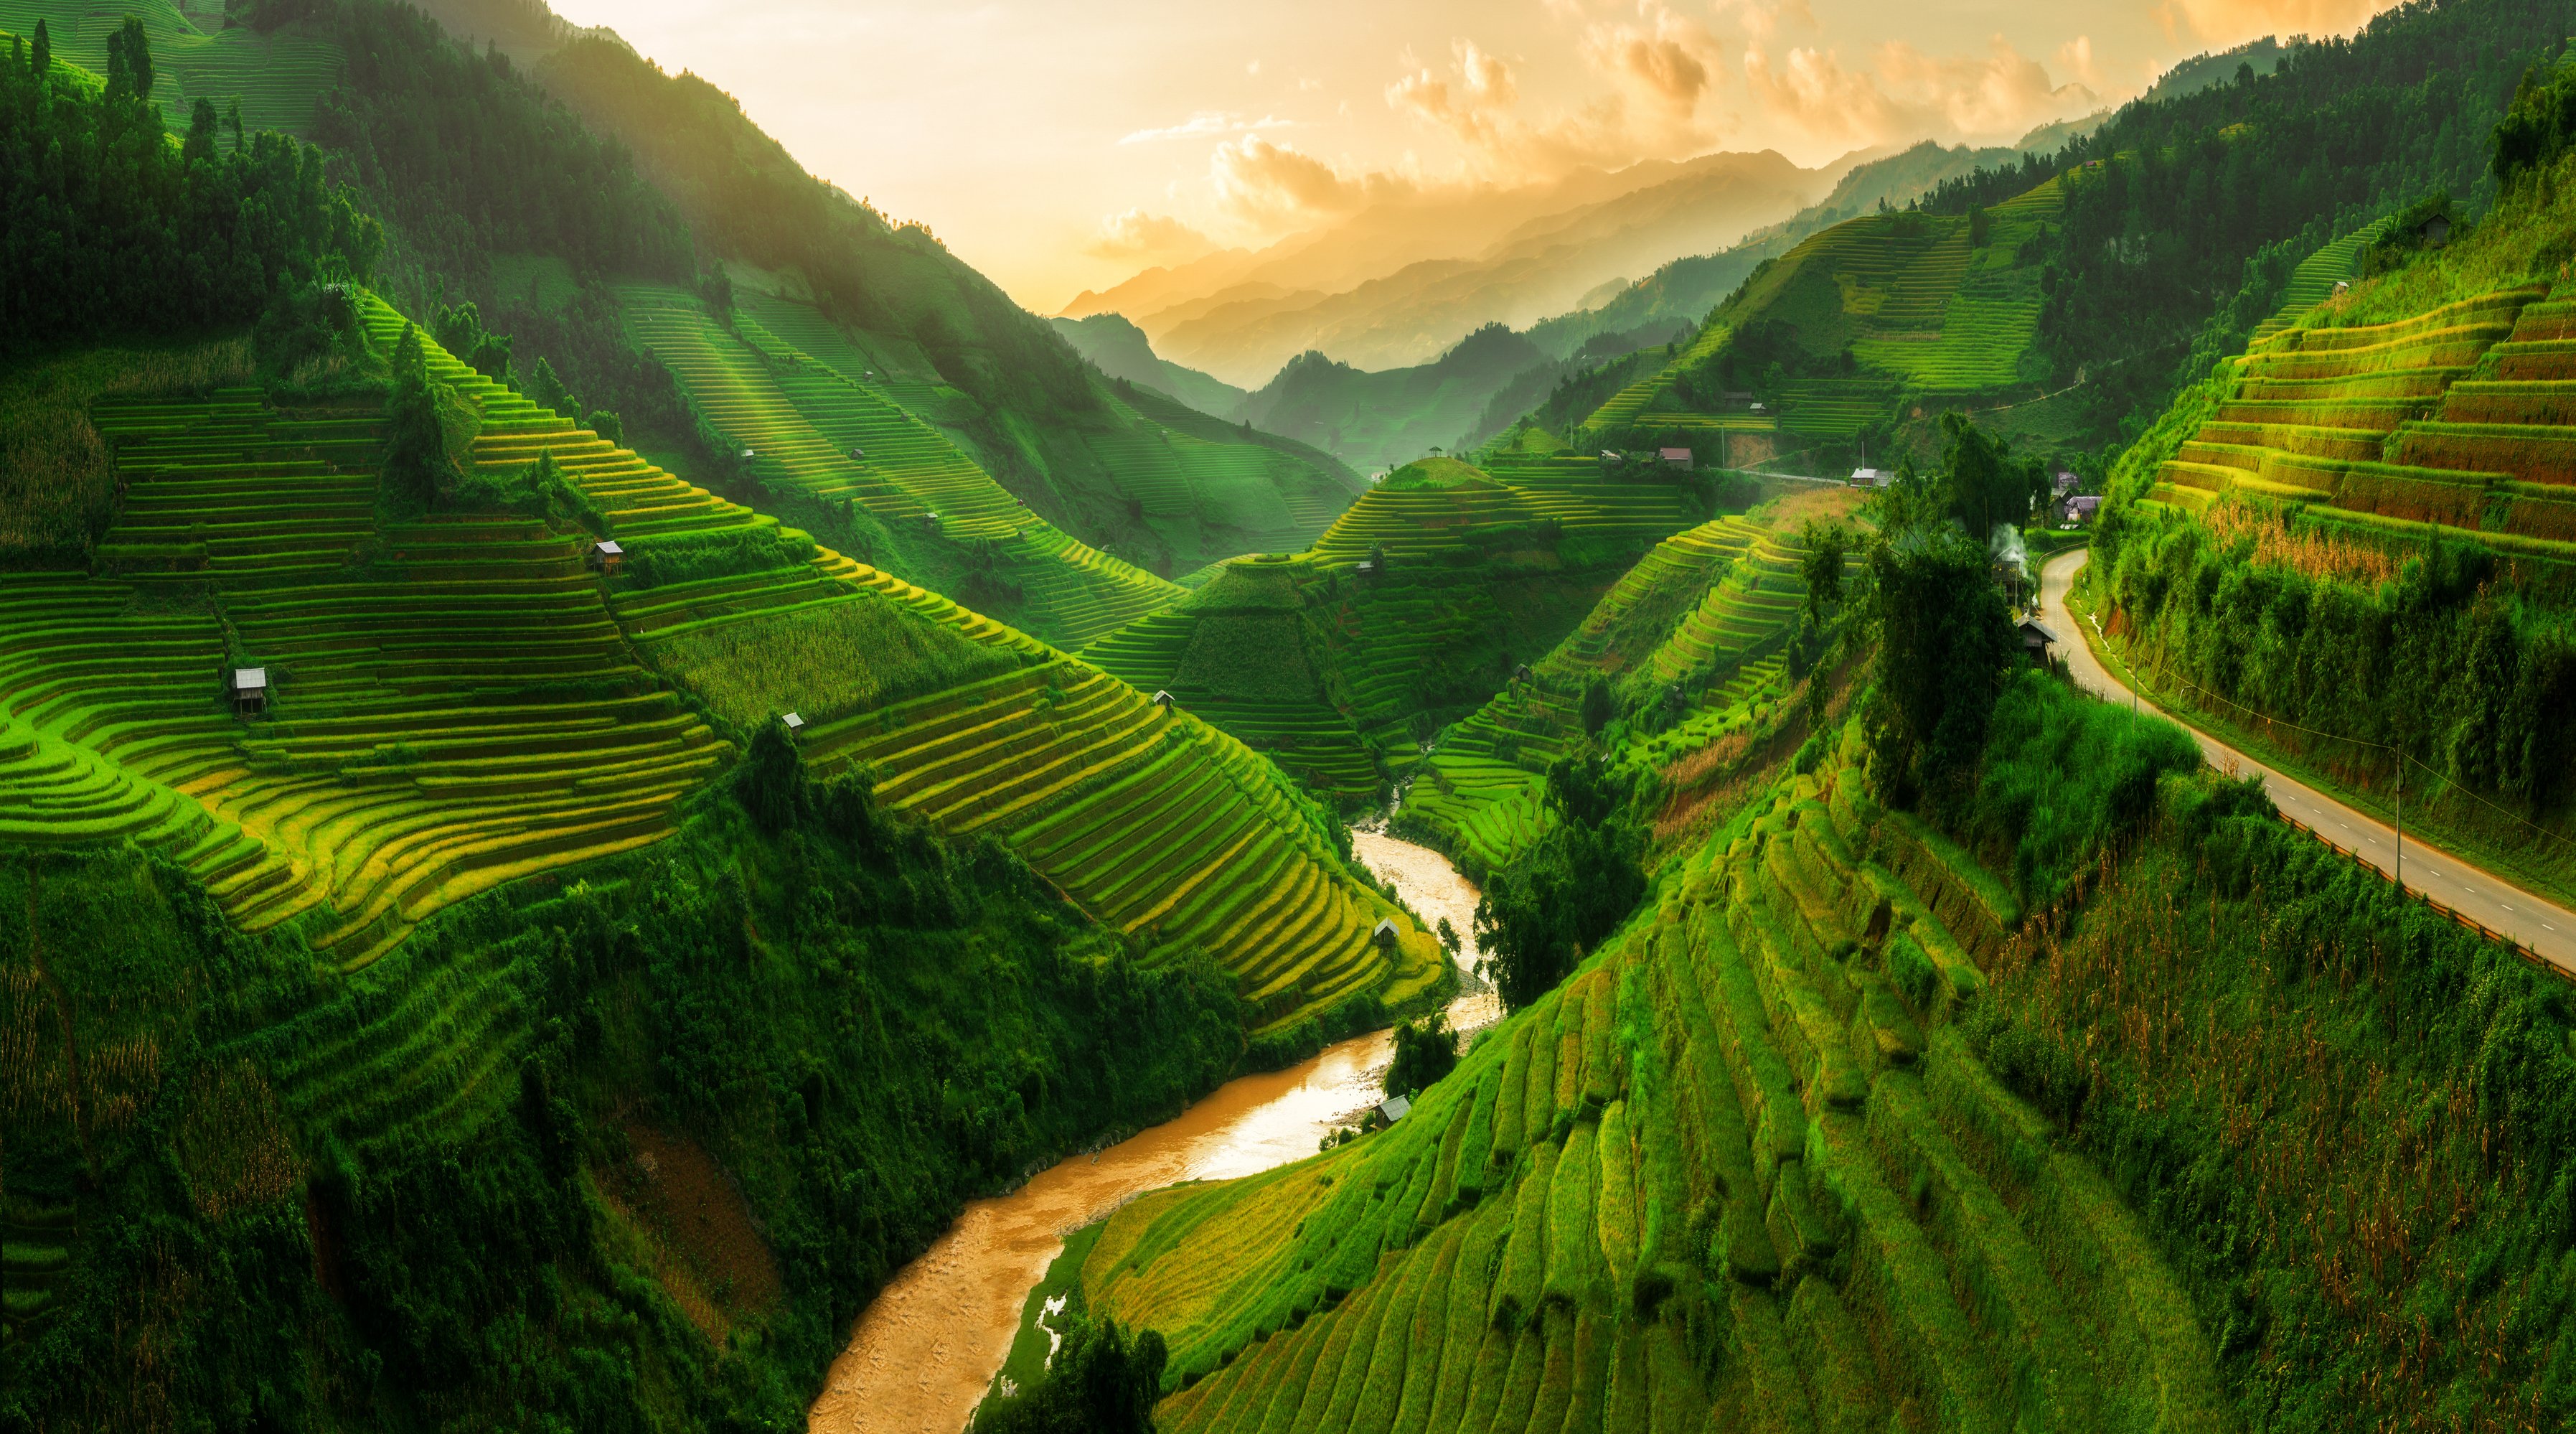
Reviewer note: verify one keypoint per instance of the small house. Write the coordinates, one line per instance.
(1869, 478)
(858, 455)
(1674, 457)
(1384, 934)
(1757, 408)
(2066, 482)
(1609, 457)
(2037, 639)
(250, 690)
(748, 455)
(2342, 287)
(1393, 1109)
(1367, 568)
(1163, 700)
(794, 723)
(2082, 507)
(1735, 398)
(2436, 231)
(606, 556)
(930, 522)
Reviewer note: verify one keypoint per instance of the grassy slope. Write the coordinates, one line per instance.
(1923, 310)
(1027, 408)
(1705, 616)
(1476, 570)
(276, 76)
(401, 769)
(1809, 1144)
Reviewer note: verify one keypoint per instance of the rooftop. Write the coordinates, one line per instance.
(250, 679)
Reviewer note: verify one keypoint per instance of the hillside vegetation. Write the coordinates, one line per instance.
(1832, 1136)
(1684, 652)
(2363, 526)
(1410, 609)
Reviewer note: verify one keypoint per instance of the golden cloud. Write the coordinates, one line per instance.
(1906, 94)
(1137, 235)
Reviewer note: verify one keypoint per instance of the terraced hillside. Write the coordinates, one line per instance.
(822, 434)
(1237, 653)
(1410, 609)
(276, 76)
(1156, 823)
(2461, 419)
(456, 701)
(1940, 307)
(1690, 637)
(1741, 1171)
(451, 704)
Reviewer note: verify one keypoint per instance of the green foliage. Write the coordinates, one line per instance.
(683, 558)
(416, 466)
(2065, 777)
(2539, 125)
(1827, 546)
(2455, 668)
(1984, 486)
(405, 1171)
(2203, 184)
(1425, 1050)
(467, 159)
(460, 331)
(1567, 890)
(113, 230)
(1101, 1381)
(548, 391)
(1945, 642)
(1598, 706)
(2405, 236)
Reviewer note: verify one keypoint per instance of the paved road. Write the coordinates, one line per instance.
(2544, 927)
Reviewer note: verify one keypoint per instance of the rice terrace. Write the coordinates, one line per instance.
(1625, 719)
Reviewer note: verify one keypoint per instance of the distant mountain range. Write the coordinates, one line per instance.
(1401, 281)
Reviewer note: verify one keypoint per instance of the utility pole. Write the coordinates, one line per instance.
(2401, 823)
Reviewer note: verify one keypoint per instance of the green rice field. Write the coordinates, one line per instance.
(2461, 418)
(1739, 1171)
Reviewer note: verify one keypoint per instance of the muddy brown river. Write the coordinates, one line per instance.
(926, 1348)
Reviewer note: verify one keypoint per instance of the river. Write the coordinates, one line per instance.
(924, 1350)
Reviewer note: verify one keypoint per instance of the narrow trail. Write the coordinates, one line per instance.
(2542, 926)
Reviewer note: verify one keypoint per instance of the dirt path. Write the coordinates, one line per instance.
(2542, 927)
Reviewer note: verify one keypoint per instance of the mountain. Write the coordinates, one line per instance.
(2201, 71)
(1406, 278)
(1385, 419)
(1684, 290)
(1121, 350)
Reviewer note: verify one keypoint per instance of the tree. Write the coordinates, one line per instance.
(416, 464)
(1425, 1050)
(1598, 706)
(772, 778)
(1100, 1382)
(1827, 544)
(1945, 644)
(548, 391)
(42, 55)
(460, 331)
(200, 144)
(1981, 480)
(1568, 889)
(129, 62)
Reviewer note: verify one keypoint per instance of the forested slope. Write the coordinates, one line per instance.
(2357, 538)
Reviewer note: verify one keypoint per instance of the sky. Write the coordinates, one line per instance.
(1062, 147)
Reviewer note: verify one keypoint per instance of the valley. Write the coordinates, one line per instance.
(1526, 773)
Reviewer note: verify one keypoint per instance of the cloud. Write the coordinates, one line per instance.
(1276, 185)
(1137, 235)
(2226, 22)
(1905, 94)
(1658, 71)
(1206, 123)
(2076, 58)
